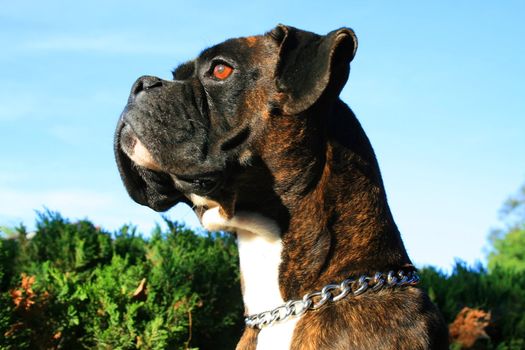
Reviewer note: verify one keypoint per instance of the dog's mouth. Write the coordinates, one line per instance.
(202, 183)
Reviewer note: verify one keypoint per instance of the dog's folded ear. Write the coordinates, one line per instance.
(312, 66)
(147, 187)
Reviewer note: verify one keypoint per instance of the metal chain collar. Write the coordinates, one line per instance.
(333, 293)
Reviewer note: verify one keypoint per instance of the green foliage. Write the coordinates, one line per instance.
(509, 251)
(8, 253)
(75, 286)
(500, 291)
(72, 285)
(508, 243)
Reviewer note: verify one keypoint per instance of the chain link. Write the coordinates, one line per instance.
(332, 293)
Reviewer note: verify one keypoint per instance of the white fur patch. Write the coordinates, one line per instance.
(260, 246)
(200, 201)
(277, 336)
(142, 157)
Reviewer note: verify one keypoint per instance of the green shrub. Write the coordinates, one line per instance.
(75, 286)
(500, 291)
(72, 285)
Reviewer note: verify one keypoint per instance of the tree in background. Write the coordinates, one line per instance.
(508, 242)
(498, 290)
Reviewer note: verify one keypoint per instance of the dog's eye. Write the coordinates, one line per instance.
(222, 71)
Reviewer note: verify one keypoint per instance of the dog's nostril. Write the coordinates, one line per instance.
(152, 85)
(146, 83)
(139, 86)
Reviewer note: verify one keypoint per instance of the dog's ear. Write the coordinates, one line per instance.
(311, 66)
(147, 187)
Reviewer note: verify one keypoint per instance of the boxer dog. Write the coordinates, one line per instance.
(253, 135)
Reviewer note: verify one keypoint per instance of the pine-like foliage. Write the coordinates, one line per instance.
(75, 286)
(500, 291)
(72, 285)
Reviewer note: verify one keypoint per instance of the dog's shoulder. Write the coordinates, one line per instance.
(411, 322)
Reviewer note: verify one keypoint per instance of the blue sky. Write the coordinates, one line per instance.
(438, 88)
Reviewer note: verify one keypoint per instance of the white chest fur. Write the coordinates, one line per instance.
(259, 258)
(260, 249)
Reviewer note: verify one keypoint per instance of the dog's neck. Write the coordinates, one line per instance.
(334, 232)
(339, 221)
(260, 251)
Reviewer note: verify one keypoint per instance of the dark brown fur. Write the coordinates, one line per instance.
(307, 164)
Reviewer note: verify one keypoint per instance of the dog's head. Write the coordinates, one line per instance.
(231, 118)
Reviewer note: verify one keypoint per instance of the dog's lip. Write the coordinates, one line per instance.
(202, 184)
(131, 145)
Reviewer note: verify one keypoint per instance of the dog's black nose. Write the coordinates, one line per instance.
(145, 83)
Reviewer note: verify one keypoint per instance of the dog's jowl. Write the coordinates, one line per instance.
(253, 134)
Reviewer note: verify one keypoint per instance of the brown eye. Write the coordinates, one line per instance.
(222, 71)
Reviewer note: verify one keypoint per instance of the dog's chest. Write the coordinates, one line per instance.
(260, 248)
(260, 257)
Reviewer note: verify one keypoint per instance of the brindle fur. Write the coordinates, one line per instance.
(307, 164)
